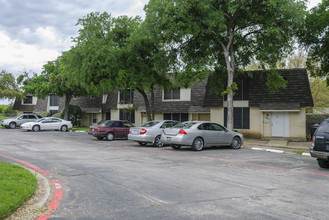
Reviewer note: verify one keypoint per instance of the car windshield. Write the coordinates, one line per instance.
(150, 124)
(103, 123)
(186, 124)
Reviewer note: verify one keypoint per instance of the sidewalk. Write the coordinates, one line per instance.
(278, 145)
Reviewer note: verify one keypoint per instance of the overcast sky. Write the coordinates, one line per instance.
(33, 32)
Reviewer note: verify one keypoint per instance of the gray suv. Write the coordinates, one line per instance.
(320, 146)
(16, 122)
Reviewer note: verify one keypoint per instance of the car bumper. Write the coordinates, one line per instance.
(177, 140)
(141, 138)
(26, 127)
(97, 134)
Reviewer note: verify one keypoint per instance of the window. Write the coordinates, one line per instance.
(54, 100)
(243, 90)
(218, 127)
(175, 116)
(127, 116)
(241, 118)
(32, 117)
(171, 94)
(169, 124)
(126, 96)
(28, 100)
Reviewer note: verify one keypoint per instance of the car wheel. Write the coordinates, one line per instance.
(323, 163)
(197, 144)
(100, 138)
(12, 125)
(175, 146)
(236, 143)
(64, 128)
(109, 136)
(157, 141)
(36, 128)
(142, 143)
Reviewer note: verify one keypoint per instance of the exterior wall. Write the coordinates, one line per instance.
(217, 115)
(199, 116)
(257, 124)
(115, 115)
(298, 124)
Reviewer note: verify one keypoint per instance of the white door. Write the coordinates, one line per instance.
(280, 124)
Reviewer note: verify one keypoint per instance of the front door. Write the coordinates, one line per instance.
(280, 124)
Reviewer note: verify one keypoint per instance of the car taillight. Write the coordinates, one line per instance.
(143, 131)
(181, 131)
(313, 139)
(129, 132)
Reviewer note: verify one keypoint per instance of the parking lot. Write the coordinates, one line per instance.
(122, 180)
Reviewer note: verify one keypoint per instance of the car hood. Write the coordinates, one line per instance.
(9, 119)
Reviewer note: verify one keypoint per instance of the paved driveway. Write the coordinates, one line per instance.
(122, 180)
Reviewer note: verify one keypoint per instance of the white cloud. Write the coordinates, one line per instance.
(18, 56)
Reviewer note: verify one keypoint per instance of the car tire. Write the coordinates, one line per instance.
(36, 128)
(157, 141)
(197, 144)
(175, 146)
(109, 136)
(64, 128)
(236, 143)
(100, 138)
(142, 143)
(12, 125)
(323, 163)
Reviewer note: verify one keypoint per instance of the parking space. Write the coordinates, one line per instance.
(122, 180)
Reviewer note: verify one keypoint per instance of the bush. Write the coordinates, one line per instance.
(43, 114)
(58, 115)
(75, 114)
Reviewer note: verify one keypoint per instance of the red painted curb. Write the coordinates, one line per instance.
(58, 195)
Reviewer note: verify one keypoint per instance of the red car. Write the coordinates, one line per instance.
(110, 129)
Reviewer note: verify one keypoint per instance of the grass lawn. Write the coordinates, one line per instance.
(80, 129)
(17, 185)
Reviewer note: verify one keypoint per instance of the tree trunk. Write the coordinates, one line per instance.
(68, 98)
(152, 103)
(147, 104)
(230, 65)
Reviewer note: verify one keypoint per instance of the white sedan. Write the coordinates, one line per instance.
(47, 124)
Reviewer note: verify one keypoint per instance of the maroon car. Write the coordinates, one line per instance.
(110, 129)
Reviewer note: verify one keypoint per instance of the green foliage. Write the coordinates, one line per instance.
(17, 185)
(75, 114)
(320, 93)
(315, 37)
(275, 82)
(43, 114)
(58, 115)
(8, 86)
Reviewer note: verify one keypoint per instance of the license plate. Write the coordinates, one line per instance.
(168, 138)
(135, 131)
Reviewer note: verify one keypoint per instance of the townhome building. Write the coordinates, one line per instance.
(257, 112)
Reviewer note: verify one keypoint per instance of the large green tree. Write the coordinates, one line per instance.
(224, 36)
(8, 87)
(145, 66)
(315, 36)
(52, 80)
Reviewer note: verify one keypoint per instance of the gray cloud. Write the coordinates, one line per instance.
(62, 15)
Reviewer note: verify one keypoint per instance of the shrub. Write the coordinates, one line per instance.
(43, 114)
(58, 115)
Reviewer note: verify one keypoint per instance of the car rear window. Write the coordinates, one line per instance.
(185, 125)
(323, 128)
(149, 124)
(103, 123)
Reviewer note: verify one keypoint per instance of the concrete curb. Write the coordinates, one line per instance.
(276, 151)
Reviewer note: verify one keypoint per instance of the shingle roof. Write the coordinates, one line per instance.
(297, 91)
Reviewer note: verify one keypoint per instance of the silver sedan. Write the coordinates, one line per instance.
(150, 132)
(198, 135)
(47, 124)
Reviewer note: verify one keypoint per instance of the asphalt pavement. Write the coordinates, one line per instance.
(122, 180)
